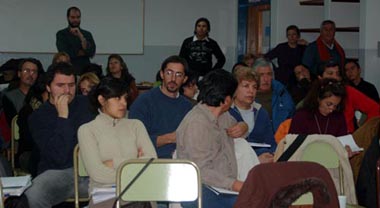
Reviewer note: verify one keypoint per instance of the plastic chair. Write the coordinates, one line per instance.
(79, 171)
(325, 155)
(163, 180)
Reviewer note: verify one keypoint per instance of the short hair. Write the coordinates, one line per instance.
(322, 89)
(262, 62)
(60, 68)
(327, 22)
(249, 56)
(329, 64)
(352, 61)
(216, 86)
(202, 19)
(237, 66)
(246, 73)
(108, 87)
(192, 79)
(175, 59)
(59, 54)
(90, 76)
(74, 9)
(33, 61)
(295, 28)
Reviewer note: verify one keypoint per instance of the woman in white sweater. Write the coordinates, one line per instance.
(110, 138)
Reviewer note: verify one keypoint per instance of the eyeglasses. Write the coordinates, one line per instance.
(29, 71)
(170, 73)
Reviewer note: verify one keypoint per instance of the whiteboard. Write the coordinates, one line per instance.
(30, 26)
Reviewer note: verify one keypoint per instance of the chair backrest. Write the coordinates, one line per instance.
(324, 154)
(79, 171)
(15, 136)
(163, 180)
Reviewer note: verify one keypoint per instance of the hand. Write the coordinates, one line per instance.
(302, 42)
(108, 163)
(237, 185)
(61, 103)
(266, 158)
(140, 152)
(351, 154)
(166, 139)
(76, 31)
(238, 130)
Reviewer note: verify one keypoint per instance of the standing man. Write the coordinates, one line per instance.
(353, 70)
(75, 41)
(324, 49)
(54, 129)
(199, 49)
(162, 108)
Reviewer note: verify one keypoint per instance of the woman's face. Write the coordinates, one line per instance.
(329, 104)
(190, 90)
(292, 36)
(115, 107)
(114, 66)
(245, 93)
(85, 86)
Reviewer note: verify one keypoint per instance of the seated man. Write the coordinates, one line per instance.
(54, 129)
(204, 138)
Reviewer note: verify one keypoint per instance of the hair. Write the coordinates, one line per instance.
(262, 62)
(237, 66)
(175, 59)
(327, 22)
(34, 61)
(108, 87)
(246, 73)
(295, 28)
(249, 56)
(329, 64)
(322, 89)
(191, 80)
(91, 77)
(36, 91)
(94, 68)
(59, 54)
(352, 61)
(202, 19)
(60, 68)
(216, 86)
(72, 8)
(125, 75)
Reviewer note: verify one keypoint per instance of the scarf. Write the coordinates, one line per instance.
(324, 52)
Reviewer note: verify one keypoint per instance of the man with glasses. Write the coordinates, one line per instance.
(13, 99)
(162, 108)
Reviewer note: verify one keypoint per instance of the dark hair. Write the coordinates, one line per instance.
(322, 89)
(59, 68)
(34, 61)
(72, 8)
(236, 65)
(202, 19)
(327, 22)
(352, 61)
(175, 59)
(108, 87)
(191, 79)
(94, 68)
(293, 27)
(216, 86)
(125, 75)
(36, 90)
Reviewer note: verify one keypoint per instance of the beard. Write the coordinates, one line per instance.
(74, 24)
(172, 87)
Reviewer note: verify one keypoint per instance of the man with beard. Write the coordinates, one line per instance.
(54, 129)
(299, 89)
(13, 100)
(75, 41)
(162, 108)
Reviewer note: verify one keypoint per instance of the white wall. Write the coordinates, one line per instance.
(167, 24)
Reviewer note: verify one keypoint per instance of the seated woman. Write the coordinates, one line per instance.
(61, 57)
(117, 68)
(111, 139)
(87, 82)
(244, 107)
(322, 111)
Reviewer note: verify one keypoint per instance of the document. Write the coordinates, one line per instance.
(218, 191)
(15, 186)
(255, 144)
(349, 140)
(103, 194)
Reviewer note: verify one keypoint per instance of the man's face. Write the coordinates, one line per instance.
(28, 74)
(61, 85)
(301, 73)
(292, 36)
(201, 29)
(352, 71)
(328, 33)
(332, 73)
(266, 76)
(173, 77)
(74, 18)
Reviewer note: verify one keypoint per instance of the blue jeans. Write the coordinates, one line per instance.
(212, 200)
(53, 187)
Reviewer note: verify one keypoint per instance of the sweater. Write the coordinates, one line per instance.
(262, 131)
(118, 140)
(198, 54)
(56, 137)
(161, 115)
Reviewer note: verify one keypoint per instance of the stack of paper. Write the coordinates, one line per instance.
(103, 194)
(218, 191)
(15, 186)
(349, 140)
(255, 144)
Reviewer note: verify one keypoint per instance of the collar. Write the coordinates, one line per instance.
(195, 38)
(207, 112)
(177, 96)
(108, 119)
(254, 107)
(329, 47)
